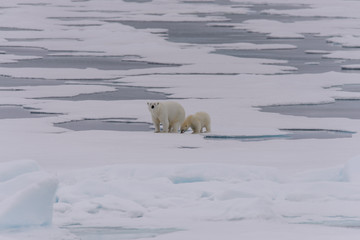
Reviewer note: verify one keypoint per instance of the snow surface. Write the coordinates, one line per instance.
(176, 185)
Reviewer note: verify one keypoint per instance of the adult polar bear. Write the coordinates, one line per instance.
(170, 114)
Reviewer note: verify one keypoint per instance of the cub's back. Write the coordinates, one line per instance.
(203, 117)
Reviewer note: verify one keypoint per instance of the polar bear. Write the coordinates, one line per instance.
(170, 114)
(196, 122)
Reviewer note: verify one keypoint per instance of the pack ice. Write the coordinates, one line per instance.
(26, 194)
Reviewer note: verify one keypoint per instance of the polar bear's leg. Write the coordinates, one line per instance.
(208, 128)
(156, 122)
(166, 126)
(196, 127)
(165, 123)
(171, 127)
(175, 127)
(202, 127)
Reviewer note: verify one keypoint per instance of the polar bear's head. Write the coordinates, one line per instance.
(184, 127)
(186, 124)
(152, 105)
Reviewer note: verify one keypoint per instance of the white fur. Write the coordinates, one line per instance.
(197, 122)
(170, 114)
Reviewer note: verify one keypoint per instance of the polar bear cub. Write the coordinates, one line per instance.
(197, 122)
(170, 114)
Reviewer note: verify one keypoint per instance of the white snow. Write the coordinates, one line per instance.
(353, 54)
(183, 185)
(200, 194)
(349, 41)
(312, 63)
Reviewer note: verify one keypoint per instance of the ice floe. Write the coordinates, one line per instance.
(26, 196)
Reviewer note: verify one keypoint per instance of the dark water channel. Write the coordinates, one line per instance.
(11, 82)
(121, 93)
(289, 134)
(17, 111)
(338, 109)
(83, 62)
(117, 233)
(24, 51)
(111, 124)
